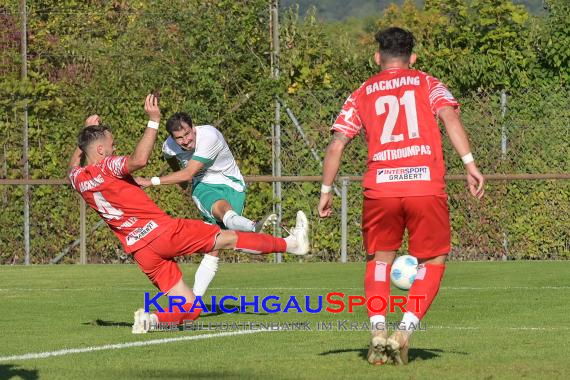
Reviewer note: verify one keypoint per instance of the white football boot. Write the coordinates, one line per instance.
(397, 347)
(298, 240)
(377, 351)
(144, 322)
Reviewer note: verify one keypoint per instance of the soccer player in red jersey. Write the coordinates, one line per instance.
(404, 185)
(146, 232)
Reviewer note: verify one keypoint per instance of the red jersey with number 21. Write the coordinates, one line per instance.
(109, 189)
(397, 110)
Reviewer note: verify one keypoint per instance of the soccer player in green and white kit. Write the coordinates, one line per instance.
(200, 154)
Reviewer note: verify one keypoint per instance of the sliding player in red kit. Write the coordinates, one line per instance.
(404, 185)
(146, 232)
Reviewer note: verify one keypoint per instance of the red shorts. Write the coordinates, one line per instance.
(425, 217)
(179, 237)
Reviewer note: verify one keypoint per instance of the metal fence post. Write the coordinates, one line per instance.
(274, 30)
(504, 157)
(26, 168)
(503, 127)
(344, 220)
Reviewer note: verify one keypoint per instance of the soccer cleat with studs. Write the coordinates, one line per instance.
(144, 322)
(298, 240)
(377, 350)
(397, 347)
(268, 220)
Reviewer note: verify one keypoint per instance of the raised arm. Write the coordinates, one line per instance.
(92, 120)
(75, 160)
(175, 166)
(460, 142)
(205, 153)
(182, 176)
(139, 158)
(333, 158)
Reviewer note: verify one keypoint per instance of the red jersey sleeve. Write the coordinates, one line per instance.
(348, 121)
(439, 95)
(73, 173)
(116, 166)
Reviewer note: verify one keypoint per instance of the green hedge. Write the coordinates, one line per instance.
(211, 59)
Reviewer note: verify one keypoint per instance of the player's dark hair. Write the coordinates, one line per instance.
(90, 134)
(395, 43)
(175, 122)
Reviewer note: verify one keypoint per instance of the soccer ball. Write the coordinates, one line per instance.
(404, 270)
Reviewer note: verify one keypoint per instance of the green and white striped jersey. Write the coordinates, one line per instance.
(220, 167)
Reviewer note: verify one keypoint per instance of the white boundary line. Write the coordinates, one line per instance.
(68, 351)
(522, 328)
(505, 287)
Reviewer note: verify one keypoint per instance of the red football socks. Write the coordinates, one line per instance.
(377, 283)
(425, 285)
(259, 243)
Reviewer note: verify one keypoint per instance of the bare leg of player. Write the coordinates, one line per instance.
(223, 212)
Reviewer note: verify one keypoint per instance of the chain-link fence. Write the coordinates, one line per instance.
(103, 58)
(520, 133)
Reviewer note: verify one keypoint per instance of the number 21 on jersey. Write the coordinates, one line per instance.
(391, 104)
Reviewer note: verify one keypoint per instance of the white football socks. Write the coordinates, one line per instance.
(291, 242)
(377, 322)
(205, 274)
(410, 323)
(236, 222)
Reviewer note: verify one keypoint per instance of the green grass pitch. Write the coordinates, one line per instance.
(491, 320)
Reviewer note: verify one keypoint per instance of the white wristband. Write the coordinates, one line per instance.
(155, 181)
(152, 124)
(467, 158)
(325, 189)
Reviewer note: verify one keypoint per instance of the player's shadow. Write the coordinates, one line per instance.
(415, 354)
(9, 371)
(103, 323)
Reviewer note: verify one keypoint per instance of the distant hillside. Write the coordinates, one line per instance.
(343, 9)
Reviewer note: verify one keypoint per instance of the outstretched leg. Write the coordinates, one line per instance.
(297, 243)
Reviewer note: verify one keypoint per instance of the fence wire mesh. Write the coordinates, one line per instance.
(527, 133)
